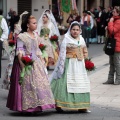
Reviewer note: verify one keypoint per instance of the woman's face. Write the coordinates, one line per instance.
(45, 19)
(32, 24)
(115, 13)
(75, 31)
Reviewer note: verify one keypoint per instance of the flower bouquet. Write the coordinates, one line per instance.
(54, 38)
(12, 43)
(89, 65)
(54, 41)
(42, 47)
(28, 62)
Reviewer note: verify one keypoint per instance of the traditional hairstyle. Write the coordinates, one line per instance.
(46, 15)
(25, 20)
(47, 10)
(75, 24)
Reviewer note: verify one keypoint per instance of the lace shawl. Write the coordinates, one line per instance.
(25, 38)
(59, 69)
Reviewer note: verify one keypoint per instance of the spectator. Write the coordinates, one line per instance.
(9, 15)
(87, 25)
(100, 25)
(108, 15)
(114, 28)
(3, 34)
(13, 21)
(70, 19)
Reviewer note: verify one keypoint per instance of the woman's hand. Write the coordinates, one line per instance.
(111, 19)
(106, 28)
(22, 65)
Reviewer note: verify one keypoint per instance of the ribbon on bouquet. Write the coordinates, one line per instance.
(44, 54)
(54, 44)
(25, 70)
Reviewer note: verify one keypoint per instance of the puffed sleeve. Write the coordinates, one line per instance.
(20, 47)
(85, 51)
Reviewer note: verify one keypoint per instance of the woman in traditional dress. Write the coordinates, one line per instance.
(53, 21)
(34, 94)
(46, 29)
(17, 29)
(69, 80)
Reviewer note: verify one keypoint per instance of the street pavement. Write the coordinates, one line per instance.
(105, 99)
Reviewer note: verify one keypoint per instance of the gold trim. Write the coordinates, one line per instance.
(72, 108)
(71, 103)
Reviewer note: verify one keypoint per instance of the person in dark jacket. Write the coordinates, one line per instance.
(108, 15)
(70, 19)
(100, 25)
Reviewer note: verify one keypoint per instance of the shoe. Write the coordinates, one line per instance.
(48, 68)
(117, 83)
(108, 82)
(84, 111)
(59, 110)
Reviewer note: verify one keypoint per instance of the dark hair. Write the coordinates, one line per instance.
(101, 7)
(75, 24)
(71, 16)
(47, 11)
(25, 21)
(117, 8)
(46, 15)
(85, 11)
(89, 13)
(1, 11)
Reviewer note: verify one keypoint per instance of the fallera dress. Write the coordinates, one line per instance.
(69, 80)
(35, 92)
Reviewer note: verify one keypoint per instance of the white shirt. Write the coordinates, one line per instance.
(91, 21)
(100, 13)
(4, 28)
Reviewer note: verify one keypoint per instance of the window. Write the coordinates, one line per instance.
(24, 5)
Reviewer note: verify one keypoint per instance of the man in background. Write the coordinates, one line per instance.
(3, 34)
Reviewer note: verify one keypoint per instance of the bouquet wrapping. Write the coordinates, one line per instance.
(12, 43)
(28, 62)
(54, 40)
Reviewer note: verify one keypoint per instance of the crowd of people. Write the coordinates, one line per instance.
(36, 47)
(94, 22)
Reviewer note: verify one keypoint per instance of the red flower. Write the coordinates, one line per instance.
(54, 38)
(89, 65)
(27, 60)
(42, 47)
(12, 43)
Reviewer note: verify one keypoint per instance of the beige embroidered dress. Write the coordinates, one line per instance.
(51, 49)
(36, 91)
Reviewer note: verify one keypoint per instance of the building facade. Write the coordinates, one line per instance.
(88, 4)
(36, 7)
